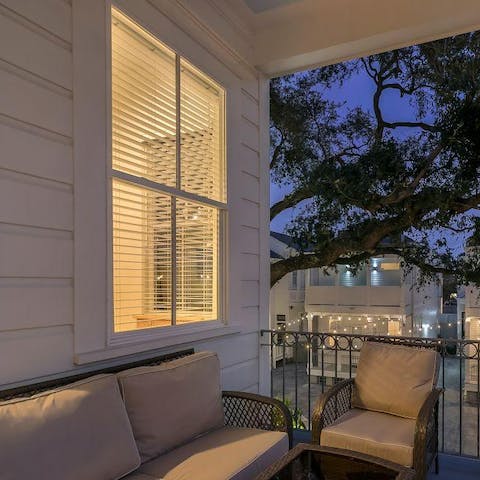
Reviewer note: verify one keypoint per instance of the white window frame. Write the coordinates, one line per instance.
(93, 316)
(115, 338)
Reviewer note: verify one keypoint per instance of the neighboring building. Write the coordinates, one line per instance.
(380, 299)
(470, 325)
(287, 297)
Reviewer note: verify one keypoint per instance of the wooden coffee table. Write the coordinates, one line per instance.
(312, 462)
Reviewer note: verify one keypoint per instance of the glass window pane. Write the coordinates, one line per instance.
(385, 272)
(347, 278)
(202, 156)
(197, 262)
(143, 103)
(141, 257)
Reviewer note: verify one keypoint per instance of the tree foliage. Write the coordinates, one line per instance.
(358, 175)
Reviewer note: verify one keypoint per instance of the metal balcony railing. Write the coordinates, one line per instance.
(305, 364)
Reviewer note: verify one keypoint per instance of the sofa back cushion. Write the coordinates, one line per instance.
(76, 432)
(172, 403)
(394, 379)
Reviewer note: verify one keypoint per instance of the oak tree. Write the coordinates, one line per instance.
(357, 175)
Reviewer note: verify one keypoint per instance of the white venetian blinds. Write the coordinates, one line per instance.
(144, 104)
(168, 183)
(201, 120)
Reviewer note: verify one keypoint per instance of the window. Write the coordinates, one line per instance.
(293, 280)
(320, 278)
(301, 279)
(348, 277)
(385, 273)
(168, 184)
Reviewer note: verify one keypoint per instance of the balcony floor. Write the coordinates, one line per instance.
(457, 468)
(451, 467)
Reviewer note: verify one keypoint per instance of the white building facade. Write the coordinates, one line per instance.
(469, 324)
(378, 299)
(198, 255)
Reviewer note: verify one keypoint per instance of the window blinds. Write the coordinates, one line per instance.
(167, 139)
(201, 120)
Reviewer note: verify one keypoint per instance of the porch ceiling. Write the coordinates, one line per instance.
(293, 35)
(258, 6)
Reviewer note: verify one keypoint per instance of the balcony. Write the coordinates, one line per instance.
(382, 299)
(306, 364)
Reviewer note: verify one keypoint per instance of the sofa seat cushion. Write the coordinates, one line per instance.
(229, 453)
(394, 379)
(373, 433)
(172, 403)
(77, 432)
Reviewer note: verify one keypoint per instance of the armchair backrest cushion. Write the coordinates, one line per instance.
(394, 379)
(172, 403)
(77, 432)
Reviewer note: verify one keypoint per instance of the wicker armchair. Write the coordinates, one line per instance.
(337, 403)
(250, 410)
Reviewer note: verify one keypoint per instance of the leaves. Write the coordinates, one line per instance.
(365, 173)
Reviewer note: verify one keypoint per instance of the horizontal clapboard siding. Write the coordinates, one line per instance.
(27, 303)
(27, 200)
(53, 17)
(28, 355)
(36, 196)
(34, 52)
(35, 252)
(37, 202)
(241, 375)
(28, 99)
(53, 154)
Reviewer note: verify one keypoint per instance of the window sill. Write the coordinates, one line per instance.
(164, 342)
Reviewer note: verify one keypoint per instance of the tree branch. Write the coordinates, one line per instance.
(422, 125)
(277, 151)
(290, 201)
(400, 194)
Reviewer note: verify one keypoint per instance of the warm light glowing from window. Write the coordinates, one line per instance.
(168, 184)
(390, 266)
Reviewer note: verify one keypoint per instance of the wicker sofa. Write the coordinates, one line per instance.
(390, 410)
(168, 421)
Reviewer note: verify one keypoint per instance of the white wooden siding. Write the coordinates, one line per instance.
(36, 198)
(37, 195)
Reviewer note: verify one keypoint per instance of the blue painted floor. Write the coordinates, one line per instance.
(457, 468)
(451, 467)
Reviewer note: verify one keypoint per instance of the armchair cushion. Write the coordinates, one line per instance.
(378, 434)
(172, 403)
(394, 379)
